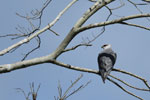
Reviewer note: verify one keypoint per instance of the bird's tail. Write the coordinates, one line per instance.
(104, 75)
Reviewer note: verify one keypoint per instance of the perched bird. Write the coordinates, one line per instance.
(106, 60)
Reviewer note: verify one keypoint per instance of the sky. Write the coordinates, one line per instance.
(131, 45)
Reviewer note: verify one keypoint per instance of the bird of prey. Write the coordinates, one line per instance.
(106, 60)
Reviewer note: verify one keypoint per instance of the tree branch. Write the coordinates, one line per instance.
(116, 21)
(37, 47)
(73, 32)
(124, 89)
(39, 32)
(32, 92)
(133, 75)
(78, 27)
(27, 63)
(66, 94)
(135, 25)
(74, 47)
(142, 89)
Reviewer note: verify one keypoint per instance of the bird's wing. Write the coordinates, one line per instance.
(105, 63)
(105, 66)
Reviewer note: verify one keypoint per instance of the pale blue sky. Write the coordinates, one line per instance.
(130, 43)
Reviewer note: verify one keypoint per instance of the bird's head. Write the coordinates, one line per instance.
(106, 46)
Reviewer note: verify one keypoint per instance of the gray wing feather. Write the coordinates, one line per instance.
(106, 63)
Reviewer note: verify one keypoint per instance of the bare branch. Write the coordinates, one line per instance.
(121, 5)
(31, 92)
(21, 90)
(98, 35)
(12, 35)
(73, 48)
(135, 25)
(66, 94)
(54, 32)
(37, 14)
(135, 5)
(79, 88)
(142, 89)
(38, 46)
(92, 0)
(116, 21)
(46, 60)
(103, 28)
(59, 90)
(77, 28)
(133, 75)
(74, 67)
(39, 32)
(74, 31)
(124, 89)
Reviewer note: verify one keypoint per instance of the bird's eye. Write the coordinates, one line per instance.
(104, 45)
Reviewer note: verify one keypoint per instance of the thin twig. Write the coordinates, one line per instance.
(33, 92)
(115, 21)
(135, 5)
(135, 25)
(37, 47)
(124, 89)
(66, 94)
(74, 47)
(142, 89)
(79, 88)
(38, 32)
(133, 75)
(26, 97)
(54, 32)
(121, 5)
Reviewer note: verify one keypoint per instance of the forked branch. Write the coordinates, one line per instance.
(38, 32)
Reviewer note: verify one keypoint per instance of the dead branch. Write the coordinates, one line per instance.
(116, 21)
(133, 75)
(73, 48)
(136, 6)
(124, 89)
(73, 68)
(38, 46)
(26, 96)
(39, 32)
(78, 27)
(135, 25)
(35, 15)
(32, 92)
(141, 89)
(121, 5)
(66, 94)
(74, 31)
(53, 32)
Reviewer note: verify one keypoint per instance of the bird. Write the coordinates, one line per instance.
(106, 60)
